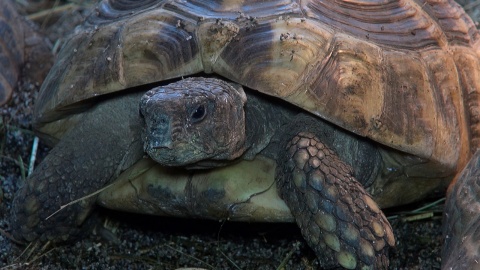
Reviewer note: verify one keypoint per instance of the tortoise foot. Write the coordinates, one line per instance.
(337, 217)
(60, 194)
(36, 211)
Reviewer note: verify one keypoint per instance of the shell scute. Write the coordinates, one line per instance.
(368, 66)
(407, 104)
(453, 20)
(400, 24)
(275, 56)
(117, 56)
(468, 68)
(350, 73)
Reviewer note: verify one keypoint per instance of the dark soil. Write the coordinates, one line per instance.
(142, 242)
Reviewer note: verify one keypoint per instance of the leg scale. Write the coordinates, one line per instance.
(337, 217)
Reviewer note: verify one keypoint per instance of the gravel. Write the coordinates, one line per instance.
(130, 241)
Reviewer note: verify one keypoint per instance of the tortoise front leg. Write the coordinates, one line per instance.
(68, 173)
(106, 141)
(337, 217)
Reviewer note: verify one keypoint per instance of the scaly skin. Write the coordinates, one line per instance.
(339, 220)
(337, 217)
(85, 160)
(461, 226)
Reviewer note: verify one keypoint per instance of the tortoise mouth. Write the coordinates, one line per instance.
(173, 155)
(184, 155)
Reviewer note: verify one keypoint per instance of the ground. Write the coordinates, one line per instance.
(141, 242)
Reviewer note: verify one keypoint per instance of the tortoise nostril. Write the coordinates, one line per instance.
(163, 120)
(158, 132)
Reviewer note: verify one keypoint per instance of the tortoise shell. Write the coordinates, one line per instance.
(20, 44)
(403, 73)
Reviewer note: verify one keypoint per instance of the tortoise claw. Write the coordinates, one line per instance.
(337, 217)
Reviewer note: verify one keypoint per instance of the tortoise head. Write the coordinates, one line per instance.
(195, 122)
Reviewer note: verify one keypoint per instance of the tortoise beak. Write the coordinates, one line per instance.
(160, 143)
(164, 141)
(158, 132)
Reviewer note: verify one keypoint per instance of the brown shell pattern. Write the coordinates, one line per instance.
(404, 73)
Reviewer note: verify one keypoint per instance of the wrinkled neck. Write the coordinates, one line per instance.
(264, 117)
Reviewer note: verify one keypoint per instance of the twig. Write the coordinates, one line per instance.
(418, 213)
(45, 14)
(77, 200)
(22, 167)
(288, 256)
(190, 256)
(429, 205)
(229, 260)
(33, 155)
(418, 217)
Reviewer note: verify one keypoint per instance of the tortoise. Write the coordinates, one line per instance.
(21, 48)
(273, 111)
(460, 221)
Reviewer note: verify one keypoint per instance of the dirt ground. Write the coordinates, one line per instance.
(143, 242)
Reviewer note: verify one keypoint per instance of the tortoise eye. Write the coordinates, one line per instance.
(198, 114)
